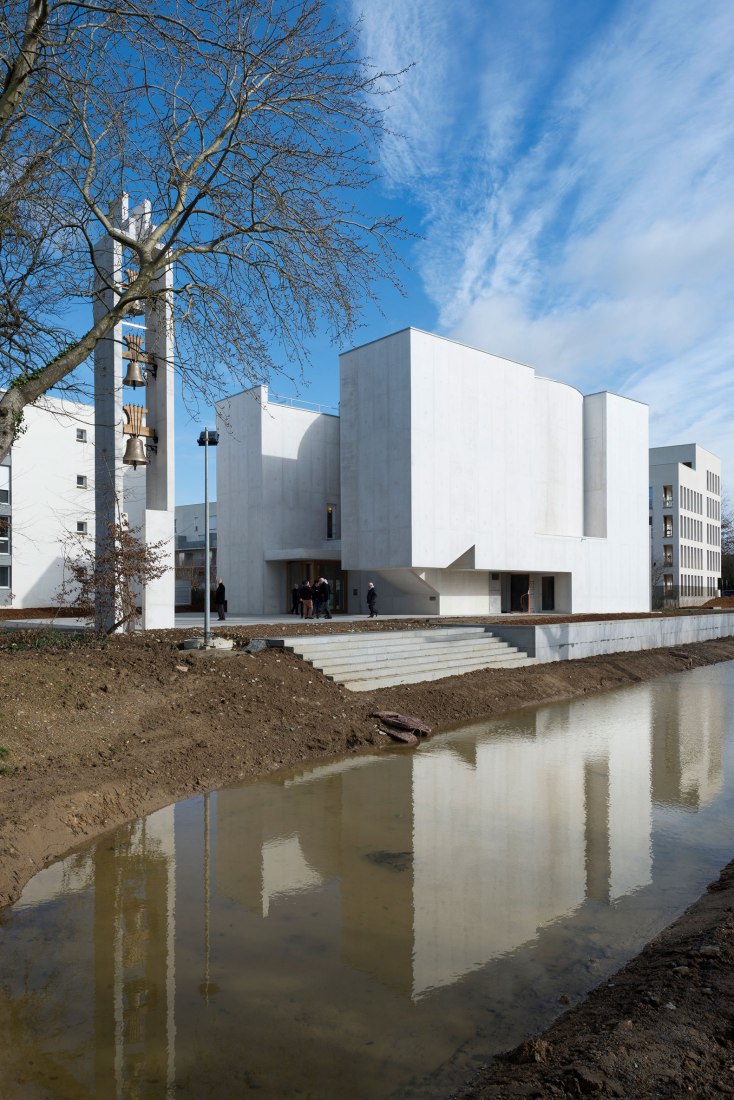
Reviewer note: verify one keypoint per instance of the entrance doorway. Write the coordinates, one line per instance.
(519, 586)
(548, 596)
(298, 571)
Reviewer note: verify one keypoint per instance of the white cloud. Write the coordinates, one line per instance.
(576, 193)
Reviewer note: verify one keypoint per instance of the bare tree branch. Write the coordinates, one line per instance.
(252, 129)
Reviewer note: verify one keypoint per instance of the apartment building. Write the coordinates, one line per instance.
(685, 525)
(46, 494)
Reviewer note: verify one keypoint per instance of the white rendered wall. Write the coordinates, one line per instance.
(277, 469)
(240, 519)
(610, 574)
(558, 438)
(46, 503)
(375, 409)
(453, 457)
(471, 455)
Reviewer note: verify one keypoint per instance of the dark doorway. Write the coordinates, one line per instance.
(549, 593)
(519, 585)
(312, 570)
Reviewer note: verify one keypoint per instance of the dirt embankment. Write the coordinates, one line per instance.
(92, 735)
(662, 1027)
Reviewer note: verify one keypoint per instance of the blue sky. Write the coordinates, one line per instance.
(568, 166)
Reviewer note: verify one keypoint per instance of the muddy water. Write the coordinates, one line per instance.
(375, 927)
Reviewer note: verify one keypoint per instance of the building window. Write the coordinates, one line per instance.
(331, 521)
(668, 527)
(667, 496)
(81, 435)
(667, 555)
(4, 485)
(81, 527)
(667, 581)
(81, 481)
(4, 576)
(4, 534)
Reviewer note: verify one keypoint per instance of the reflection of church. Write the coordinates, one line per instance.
(487, 840)
(409, 870)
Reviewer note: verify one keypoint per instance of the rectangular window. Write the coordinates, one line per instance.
(81, 527)
(81, 435)
(4, 534)
(668, 526)
(667, 555)
(4, 485)
(331, 532)
(81, 481)
(4, 576)
(667, 496)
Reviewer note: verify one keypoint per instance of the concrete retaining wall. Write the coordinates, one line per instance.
(570, 641)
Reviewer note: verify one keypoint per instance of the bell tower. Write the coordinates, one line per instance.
(134, 440)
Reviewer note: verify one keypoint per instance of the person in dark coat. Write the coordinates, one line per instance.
(295, 600)
(372, 600)
(305, 594)
(322, 594)
(219, 598)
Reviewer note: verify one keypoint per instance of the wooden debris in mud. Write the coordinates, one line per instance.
(402, 727)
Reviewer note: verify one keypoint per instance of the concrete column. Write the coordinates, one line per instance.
(159, 597)
(157, 519)
(108, 438)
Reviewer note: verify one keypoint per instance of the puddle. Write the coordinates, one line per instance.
(374, 927)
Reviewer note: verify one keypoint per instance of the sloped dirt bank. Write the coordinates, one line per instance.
(662, 1027)
(93, 735)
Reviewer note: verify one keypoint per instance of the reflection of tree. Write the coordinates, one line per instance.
(727, 543)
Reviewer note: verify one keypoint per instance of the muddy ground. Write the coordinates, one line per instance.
(93, 734)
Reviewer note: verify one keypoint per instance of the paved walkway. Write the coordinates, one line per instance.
(189, 620)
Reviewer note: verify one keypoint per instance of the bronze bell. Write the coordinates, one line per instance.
(135, 453)
(134, 376)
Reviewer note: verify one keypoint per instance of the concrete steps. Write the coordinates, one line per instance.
(364, 661)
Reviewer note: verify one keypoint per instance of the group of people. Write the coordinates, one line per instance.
(309, 600)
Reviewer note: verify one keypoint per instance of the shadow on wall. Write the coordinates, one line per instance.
(43, 589)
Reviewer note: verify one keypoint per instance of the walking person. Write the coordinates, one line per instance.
(219, 599)
(372, 600)
(322, 593)
(305, 593)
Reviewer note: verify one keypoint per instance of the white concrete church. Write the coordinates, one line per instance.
(459, 482)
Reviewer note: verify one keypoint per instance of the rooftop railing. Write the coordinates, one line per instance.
(298, 403)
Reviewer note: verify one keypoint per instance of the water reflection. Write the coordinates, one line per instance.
(350, 929)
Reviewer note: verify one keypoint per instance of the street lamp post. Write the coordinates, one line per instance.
(206, 440)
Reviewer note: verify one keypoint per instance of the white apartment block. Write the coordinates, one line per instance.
(458, 482)
(46, 494)
(685, 524)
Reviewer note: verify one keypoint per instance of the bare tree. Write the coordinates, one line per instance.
(251, 127)
(125, 566)
(727, 543)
